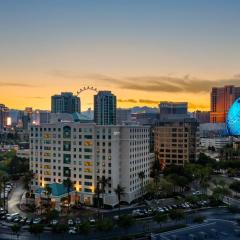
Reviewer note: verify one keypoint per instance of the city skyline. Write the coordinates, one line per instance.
(144, 52)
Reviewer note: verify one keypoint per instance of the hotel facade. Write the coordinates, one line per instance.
(86, 152)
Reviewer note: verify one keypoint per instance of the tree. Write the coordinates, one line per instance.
(59, 228)
(219, 193)
(103, 182)
(141, 176)
(160, 218)
(84, 227)
(52, 214)
(104, 225)
(68, 184)
(27, 179)
(177, 214)
(97, 193)
(36, 229)
(3, 181)
(166, 186)
(126, 221)
(48, 192)
(16, 228)
(152, 189)
(155, 169)
(119, 191)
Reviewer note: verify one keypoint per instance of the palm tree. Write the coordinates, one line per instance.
(119, 191)
(28, 177)
(48, 192)
(98, 192)
(103, 181)
(68, 184)
(36, 229)
(141, 176)
(155, 169)
(4, 180)
(16, 229)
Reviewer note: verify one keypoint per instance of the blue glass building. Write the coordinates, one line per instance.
(233, 119)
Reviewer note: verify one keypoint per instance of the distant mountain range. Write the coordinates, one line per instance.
(144, 110)
(90, 113)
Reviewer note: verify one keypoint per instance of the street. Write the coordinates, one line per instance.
(15, 198)
(141, 226)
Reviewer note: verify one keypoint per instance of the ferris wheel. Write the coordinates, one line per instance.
(85, 89)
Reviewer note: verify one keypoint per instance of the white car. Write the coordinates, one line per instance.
(92, 220)
(70, 222)
(54, 222)
(37, 220)
(72, 230)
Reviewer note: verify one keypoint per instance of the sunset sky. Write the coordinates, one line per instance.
(143, 51)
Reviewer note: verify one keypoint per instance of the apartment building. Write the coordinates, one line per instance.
(176, 142)
(86, 152)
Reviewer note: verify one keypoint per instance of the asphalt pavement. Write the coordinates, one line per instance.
(15, 198)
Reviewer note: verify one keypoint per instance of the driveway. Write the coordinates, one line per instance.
(15, 198)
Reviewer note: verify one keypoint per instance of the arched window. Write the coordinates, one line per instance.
(66, 132)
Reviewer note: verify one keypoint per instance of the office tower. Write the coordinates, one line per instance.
(145, 118)
(176, 141)
(105, 108)
(3, 116)
(65, 103)
(221, 100)
(173, 110)
(123, 115)
(86, 152)
(202, 116)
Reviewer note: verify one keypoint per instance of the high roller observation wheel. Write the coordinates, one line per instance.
(85, 89)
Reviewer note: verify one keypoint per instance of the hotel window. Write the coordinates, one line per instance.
(66, 132)
(66, 158)
(66, 146)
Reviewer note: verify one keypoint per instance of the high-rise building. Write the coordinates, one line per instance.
(221, 100)
(105, 108)
(145, 118)
(176, 141)
(65, 103)
(86, 153)
(3, 116)
(202, 116)
(123, 115)
(173, 110)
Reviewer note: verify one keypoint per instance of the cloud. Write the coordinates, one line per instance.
(156, 103)
(36, 97)
(127, 100)
(148, 101)
(168, 84)
(197, 106)
(14, 84)
(155, 83)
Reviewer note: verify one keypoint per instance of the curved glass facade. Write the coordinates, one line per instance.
(233, 119)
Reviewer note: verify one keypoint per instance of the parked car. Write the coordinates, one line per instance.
(92, 220)
(17, 219)
(12, 216)
(23, 220)
(29, 221)
(54, 222)
(70, 222)
(37, 220)
(72, 230)
(78, 221)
